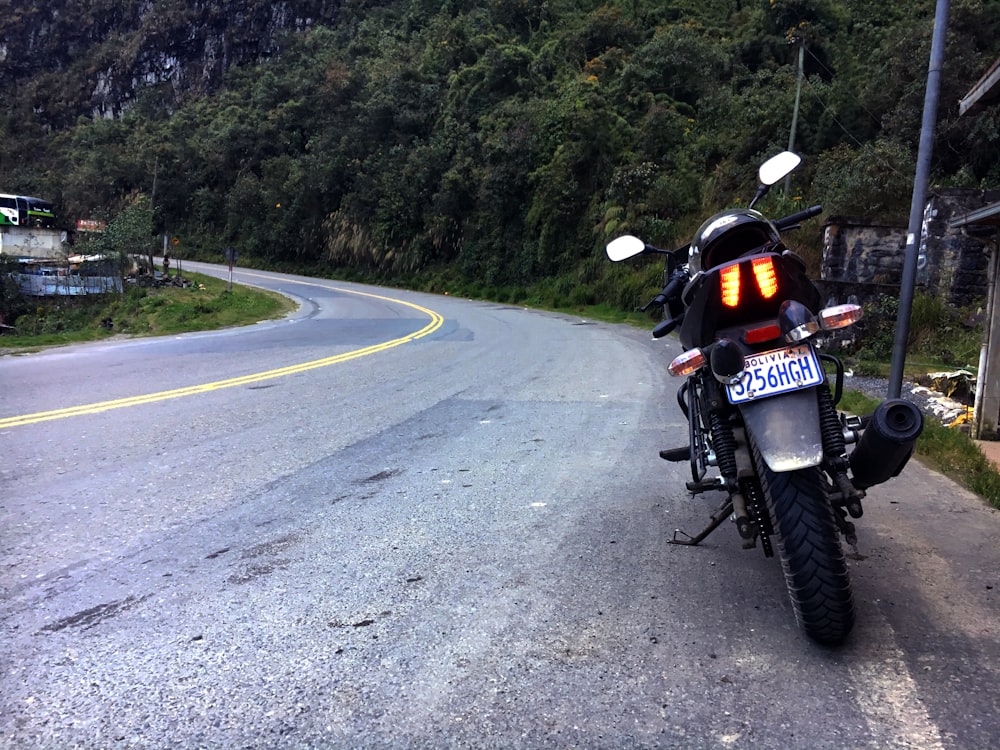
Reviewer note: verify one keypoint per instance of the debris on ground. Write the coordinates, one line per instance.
(953, 410)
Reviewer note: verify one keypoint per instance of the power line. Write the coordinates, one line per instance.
(819, 62)
(828, 111)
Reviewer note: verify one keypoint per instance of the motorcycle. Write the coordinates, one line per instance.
(760, 398)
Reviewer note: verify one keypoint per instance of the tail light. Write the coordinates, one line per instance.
(767, 278)
(731, 281)
(760, 334)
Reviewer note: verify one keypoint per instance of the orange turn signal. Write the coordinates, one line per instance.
(688, 362)
(840, 316)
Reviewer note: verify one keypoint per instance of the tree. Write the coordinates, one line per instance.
(503, 139)
(131, 232)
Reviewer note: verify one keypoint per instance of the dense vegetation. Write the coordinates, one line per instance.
(506, 141)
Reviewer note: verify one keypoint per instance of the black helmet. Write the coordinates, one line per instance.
(728, 235)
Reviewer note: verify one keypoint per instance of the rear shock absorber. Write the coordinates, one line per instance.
(834, 445)
(834, 450)
(724, 443)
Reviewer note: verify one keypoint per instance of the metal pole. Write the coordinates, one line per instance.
(795, 111)
(988, 380)
(919, 199)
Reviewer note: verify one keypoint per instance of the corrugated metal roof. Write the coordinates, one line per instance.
(986, 91)
(985, 216)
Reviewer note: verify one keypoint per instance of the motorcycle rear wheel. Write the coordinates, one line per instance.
(809, 548)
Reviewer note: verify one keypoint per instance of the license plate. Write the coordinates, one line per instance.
(778, 371)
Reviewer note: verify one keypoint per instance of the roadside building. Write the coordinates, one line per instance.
(984, 224)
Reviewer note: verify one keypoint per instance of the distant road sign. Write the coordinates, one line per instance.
(91, 225)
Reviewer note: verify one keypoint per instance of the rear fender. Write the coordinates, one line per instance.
(786, 429)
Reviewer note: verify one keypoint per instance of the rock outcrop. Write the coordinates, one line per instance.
(64, 60)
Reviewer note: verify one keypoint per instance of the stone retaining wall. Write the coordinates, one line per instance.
(868, 257)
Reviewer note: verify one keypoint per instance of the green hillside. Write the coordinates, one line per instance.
(508, 140)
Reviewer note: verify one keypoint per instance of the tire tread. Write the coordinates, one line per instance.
(812, 558)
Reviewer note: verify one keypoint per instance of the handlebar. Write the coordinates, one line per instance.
(673, 288)
(666, 326)
(793, 219)
(670, 292)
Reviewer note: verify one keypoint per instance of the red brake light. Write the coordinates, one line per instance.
(761, 334)
(730, 278)
(764, 274)
(767, 279)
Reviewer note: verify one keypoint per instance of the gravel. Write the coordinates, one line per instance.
(930, 402)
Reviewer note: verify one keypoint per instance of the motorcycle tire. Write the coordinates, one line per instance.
(809, 548)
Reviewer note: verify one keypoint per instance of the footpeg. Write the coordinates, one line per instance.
(747, 532)
(676, 454)
(706, 485)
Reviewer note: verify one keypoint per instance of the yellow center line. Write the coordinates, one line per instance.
(73, 411)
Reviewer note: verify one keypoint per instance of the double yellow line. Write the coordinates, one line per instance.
(74, 411)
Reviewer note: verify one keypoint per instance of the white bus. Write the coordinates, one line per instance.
(25, 211)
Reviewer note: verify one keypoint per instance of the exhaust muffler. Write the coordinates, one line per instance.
(887, 443)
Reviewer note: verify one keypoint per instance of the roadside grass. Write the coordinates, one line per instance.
(944, 449)
(205, 305)
(596, 289)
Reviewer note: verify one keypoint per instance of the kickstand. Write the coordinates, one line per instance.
(717, 518)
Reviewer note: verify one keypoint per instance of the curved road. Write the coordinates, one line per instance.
(396, 519)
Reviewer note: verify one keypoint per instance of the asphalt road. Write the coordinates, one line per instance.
(402, 520)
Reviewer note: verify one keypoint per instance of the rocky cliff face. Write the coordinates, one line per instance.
(66, 58)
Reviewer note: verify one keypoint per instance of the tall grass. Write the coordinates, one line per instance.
(597, 287)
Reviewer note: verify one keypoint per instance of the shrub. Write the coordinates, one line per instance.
(938, 332)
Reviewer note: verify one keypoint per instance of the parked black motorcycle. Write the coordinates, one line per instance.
(760, 400)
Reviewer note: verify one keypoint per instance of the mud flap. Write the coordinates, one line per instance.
(786, 429)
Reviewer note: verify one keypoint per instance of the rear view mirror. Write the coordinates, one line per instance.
(624, 247)
(778, 167)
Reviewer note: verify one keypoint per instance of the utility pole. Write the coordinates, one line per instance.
(919, 199)
(152, 205)
(795, 112)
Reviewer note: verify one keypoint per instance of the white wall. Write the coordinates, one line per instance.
(31, 242)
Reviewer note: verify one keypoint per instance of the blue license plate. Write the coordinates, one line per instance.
(790, 368)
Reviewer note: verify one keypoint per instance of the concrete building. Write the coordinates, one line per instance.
(984, 224)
